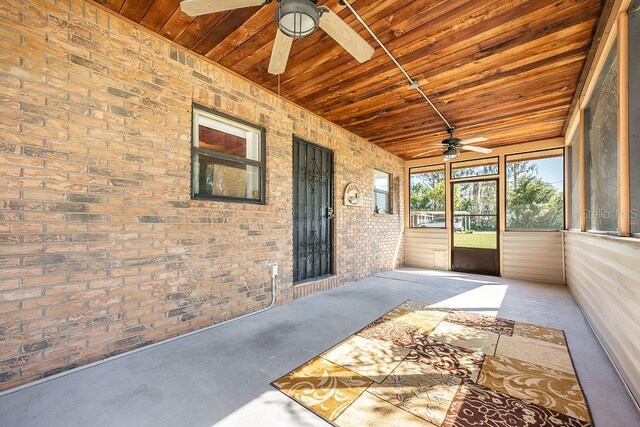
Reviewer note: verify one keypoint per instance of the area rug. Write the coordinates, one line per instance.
(424, 366)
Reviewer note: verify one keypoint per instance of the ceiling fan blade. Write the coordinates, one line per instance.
(280, 53)
(473, 140)
(477, 149)
(346, 37)
(204, 7)
(433, 150)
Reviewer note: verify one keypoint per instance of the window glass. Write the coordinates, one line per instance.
(381, 189)
(474, 168)
(535, 191)
(219, 177)
(427, 198)
(601, 140)
(574, 181)
(634, 113)
(227, 159)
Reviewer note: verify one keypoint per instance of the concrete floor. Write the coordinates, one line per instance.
(221, 376)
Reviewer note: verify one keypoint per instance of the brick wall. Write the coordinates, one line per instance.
(101, 249)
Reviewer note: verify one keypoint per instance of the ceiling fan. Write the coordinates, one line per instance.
(452, 144)
(295, 19)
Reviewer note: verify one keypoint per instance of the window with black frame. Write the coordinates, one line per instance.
(382, 191)
(535, 190)
(228, 160)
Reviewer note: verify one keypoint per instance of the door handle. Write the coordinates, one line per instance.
(330, 214)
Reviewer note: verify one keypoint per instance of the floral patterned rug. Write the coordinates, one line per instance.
(424, 366)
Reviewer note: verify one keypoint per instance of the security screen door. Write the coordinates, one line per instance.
(475, 227)
(312, 211)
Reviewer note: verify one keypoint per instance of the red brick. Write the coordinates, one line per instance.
(102, 238)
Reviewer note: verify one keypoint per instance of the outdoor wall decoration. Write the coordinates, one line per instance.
(352, 195)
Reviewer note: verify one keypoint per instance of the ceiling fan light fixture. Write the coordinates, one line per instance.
(451, 154)
(297, 18)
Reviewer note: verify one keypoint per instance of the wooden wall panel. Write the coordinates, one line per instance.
(603, 275)
(427, 248)
(532, 255)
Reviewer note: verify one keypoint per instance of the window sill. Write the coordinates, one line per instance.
(533, 230)
(634, 240)
(427, 228)
(227, 200)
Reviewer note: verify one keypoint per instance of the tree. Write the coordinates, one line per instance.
(427, 191)
(534, 203)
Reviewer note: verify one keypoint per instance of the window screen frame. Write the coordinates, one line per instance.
(573, 182)
(441, 167)
(470, 163)
(387, 193)
(633, 111)
(564, 188)
(611, 57)
(200, 110)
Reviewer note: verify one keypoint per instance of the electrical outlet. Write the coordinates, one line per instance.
(274, 271)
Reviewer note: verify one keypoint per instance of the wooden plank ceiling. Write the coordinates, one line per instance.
(503, 69)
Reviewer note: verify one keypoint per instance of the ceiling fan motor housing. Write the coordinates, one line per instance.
(452, 141)
(297, 18)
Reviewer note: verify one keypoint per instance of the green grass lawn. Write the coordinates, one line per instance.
(476, 240)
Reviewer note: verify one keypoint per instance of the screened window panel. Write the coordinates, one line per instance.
(634, 113)
(601, 138)
(574, 184)
(427, 198)
(474, 168)
(535, 191)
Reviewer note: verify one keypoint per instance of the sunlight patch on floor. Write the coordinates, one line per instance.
(485, 299)
(271, 408)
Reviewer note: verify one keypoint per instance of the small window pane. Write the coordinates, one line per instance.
(427, 198)
(218, 177)
(381, 181)
(601, 138)
(382, 203)
(634, 113)
(535, 191)
(216, 135)
(474, 168)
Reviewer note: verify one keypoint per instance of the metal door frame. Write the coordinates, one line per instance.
(331, 239)
(453, 216)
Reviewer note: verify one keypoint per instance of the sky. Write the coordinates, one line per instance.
(552, 171)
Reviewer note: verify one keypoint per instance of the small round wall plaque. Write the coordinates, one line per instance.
(352, 195)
